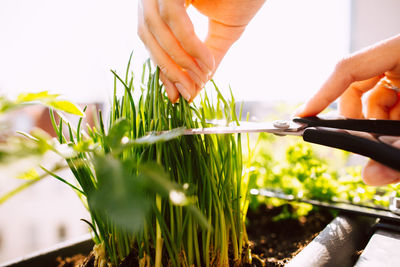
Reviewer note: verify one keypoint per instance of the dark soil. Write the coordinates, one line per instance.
(273, 243)
(76, 260)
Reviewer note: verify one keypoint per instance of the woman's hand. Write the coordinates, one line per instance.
(187, 63)
(376, 70)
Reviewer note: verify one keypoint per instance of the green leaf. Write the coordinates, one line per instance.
(200, 218)
(120, 194)
(18, 189)
(156, 180)
(27, 184)
(51, 173)
(41, 96)
(153, 138)
(49, 100)
(29, 175)
(117, 132)
(6, 105)
(65, 106)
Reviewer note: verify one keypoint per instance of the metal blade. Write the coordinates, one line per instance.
(289, 128)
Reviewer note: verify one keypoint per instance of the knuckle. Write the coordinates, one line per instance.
(344, 70)
(342, 65)
(165, 70)
(189, 35)
(165, 13)
(148, 19)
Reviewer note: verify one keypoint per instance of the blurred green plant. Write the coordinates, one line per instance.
(43, 98)
(26, 150)
(303, 172)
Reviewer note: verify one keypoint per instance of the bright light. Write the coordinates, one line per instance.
(287, 51)
(69, 47)
(177, 197)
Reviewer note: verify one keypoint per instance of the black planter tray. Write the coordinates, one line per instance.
(44, 258)
(336, 245)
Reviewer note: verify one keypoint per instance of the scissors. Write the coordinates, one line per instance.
(366, 137)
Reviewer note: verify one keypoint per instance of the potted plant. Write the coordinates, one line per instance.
(158, 198)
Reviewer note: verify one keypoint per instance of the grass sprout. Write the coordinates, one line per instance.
(169, 199)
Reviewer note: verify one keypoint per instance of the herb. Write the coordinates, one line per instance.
(171, 199)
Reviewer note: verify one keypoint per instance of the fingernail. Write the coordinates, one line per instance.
(204, 68)
(183, 91)
(195, 78)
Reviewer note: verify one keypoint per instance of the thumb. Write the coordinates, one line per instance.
(377, 174)
(220, 38)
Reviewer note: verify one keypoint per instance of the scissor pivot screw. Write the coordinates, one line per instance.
(281, 124)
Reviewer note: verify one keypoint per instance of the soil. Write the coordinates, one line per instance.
(273, 243)
(76, 260)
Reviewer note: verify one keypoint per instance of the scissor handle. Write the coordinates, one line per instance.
(382, 127)
(381, 152)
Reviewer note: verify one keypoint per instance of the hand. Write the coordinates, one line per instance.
(187, 63)
(375, 69)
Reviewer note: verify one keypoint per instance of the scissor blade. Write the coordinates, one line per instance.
(249, 127)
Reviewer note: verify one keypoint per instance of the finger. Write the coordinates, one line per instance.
(380, 101)
(170, 44)
(174, 14)
(350, 103)
(363, 65)
(394, 78)
(221, 37)
(172, 91)
(377, 174)
(394, 113)
(198, 90)
(175, 74)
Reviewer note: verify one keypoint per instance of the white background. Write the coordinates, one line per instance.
(69, 47)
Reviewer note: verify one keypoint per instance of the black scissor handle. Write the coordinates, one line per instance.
(382, 127)
(378, 151)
